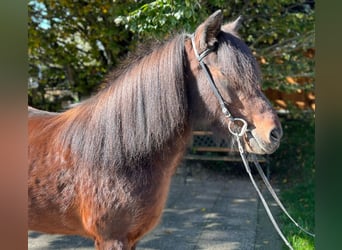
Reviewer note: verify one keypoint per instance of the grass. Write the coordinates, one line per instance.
(293, 168)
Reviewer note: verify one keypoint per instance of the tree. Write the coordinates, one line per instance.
(83, 40)
(72, 45)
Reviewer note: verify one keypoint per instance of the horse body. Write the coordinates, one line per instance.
(103, 168)
(124, 205)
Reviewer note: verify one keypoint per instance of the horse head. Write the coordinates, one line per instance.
(221, 62)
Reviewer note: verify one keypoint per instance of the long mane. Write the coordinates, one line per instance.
(135, 115)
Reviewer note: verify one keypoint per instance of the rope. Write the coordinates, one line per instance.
(268, 211)
(275, 197)
(269, 187)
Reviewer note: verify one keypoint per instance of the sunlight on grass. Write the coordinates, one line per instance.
(301, 243)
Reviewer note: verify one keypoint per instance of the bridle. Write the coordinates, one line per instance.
(224, 108)
(239, 133)
(200, 58)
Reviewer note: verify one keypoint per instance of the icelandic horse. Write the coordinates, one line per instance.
(103, 169)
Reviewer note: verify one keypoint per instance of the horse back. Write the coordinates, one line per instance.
(33, 112)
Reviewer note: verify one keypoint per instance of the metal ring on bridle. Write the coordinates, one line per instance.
(243, 128)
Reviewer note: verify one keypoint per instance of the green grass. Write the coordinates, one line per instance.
(293, 168)
(299, 201)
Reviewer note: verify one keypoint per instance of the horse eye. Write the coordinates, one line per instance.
(215, 45)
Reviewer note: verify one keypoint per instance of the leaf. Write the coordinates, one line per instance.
(280, 32)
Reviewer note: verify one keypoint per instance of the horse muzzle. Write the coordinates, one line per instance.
(256, 145)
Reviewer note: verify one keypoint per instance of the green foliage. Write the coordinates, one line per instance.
(158, 18)
(73, 44)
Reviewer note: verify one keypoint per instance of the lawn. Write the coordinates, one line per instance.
(293, 171)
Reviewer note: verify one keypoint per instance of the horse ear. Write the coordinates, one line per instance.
(206, 33)
(233, 27)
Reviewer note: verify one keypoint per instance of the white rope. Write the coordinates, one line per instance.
(268, 211)
(275, 197)
(237, 135)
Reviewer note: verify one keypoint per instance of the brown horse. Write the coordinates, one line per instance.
(103, 168)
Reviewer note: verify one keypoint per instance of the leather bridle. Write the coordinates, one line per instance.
(232, 125)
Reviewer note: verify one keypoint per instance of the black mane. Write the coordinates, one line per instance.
(140, 109)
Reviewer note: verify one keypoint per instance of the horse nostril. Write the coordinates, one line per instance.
(276, 135)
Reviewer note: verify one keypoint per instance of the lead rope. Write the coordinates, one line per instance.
(274, 195)
(248, 170)
(264, 178)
